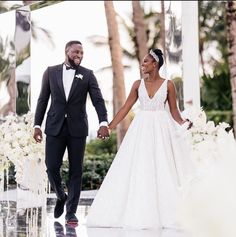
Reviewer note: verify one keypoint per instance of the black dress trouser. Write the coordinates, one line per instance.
(55, 149)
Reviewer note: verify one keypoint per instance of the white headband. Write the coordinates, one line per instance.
(154, 55)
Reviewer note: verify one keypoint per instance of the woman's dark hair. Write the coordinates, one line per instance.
(159, 54)
(68, 44)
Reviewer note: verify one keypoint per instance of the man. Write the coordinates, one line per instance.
(66, 125)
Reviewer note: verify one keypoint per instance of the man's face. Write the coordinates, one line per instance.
(74, 55)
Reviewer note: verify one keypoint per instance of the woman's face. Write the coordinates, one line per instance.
(148, 64)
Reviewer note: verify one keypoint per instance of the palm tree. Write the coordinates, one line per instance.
(156, 34)
(162, 23)
(140, 30)
(231, 36)
(118, 70)
(153, 31)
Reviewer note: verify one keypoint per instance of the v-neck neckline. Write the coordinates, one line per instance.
(156, 90)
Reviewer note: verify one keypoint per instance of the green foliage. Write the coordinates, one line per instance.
(212, 29)
(40, 4)
(220, 116)
(99, 147)
(216, 92)
(98, 158)
(95, 169)
(216, 97)
(22, 106)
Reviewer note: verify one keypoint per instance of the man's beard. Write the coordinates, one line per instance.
(72, 63)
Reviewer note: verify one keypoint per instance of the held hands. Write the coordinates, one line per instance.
(38, 135)
(103, 133)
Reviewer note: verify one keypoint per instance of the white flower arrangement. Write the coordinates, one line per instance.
(18, 146)
(205, 138)
(213, 149)
(79, 76)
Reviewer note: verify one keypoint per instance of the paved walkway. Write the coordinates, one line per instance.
(27, 220)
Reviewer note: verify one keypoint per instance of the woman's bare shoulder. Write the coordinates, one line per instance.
(170, 84)
(136, 84)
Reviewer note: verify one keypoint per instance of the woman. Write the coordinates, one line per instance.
(142, 186)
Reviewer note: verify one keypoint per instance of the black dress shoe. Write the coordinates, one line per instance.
(71, 219)
(59, 208)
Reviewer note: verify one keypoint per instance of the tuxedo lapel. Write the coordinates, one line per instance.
(59, 80)
(74, 83)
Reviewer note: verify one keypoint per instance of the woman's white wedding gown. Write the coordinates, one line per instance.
(142, 186)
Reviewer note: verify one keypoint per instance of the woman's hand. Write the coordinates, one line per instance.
(190, 124)
(103, 133)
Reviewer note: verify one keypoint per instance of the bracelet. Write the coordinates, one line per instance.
(184, 121)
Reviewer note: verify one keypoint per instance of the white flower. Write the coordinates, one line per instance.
(205, 138)
(210, 127)
(79, 76)
(18, 146)
(196, 115)
(197, 138)
(224, 125)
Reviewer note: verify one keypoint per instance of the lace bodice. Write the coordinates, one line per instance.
(157, 102)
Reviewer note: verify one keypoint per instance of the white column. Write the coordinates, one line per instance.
(191, 77)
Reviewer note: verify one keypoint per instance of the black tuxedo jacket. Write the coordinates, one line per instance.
(74, 109)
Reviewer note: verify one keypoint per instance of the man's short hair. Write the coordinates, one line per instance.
(68, 44)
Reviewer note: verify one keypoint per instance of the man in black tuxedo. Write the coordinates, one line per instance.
(66, 124)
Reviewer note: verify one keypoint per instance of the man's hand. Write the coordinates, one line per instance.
(38, 135)
(103, 133)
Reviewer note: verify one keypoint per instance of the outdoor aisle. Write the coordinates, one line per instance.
(30, 221)
(83, 231)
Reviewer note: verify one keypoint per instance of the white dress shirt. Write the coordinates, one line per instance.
(67, 78)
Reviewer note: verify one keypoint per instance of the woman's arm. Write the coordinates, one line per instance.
(132, 98)
(171, 97)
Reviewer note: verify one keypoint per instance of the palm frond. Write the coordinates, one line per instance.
(35, 29)
(110, 67)
(41, 4)
(98, 40)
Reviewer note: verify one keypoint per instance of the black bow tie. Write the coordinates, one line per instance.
(69, 67)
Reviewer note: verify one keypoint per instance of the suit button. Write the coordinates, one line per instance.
(65, 115)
